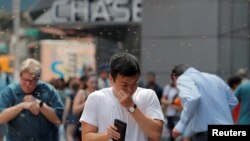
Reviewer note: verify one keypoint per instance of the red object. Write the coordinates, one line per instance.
(177, 102)
(236, 111)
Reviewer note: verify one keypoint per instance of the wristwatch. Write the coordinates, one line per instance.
(132, 109)
(41, 104)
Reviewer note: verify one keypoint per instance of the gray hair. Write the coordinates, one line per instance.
(32, 66)
(179, 69)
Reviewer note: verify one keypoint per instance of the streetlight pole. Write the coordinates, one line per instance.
(15, 36)
(16, 15)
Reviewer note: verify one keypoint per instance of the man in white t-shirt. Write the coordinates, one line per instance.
(139, 108)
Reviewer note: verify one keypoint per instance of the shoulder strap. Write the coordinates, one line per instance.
(175, 97)
(85, 94)
(7, 79)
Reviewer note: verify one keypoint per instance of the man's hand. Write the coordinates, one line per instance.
(175, 133)
(29, 98)
(125, 99)
(32, 106)
(112, 133)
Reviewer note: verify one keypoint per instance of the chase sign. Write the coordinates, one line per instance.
(96, 11)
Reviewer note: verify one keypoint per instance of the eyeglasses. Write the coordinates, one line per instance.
(29, 81)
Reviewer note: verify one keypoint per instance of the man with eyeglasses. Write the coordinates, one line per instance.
(31, 108)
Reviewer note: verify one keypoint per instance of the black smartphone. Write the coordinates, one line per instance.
(121, 128)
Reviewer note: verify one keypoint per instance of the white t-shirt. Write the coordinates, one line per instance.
(170, 93)
(102, 108)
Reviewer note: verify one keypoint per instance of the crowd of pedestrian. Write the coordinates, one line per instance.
(85, 108)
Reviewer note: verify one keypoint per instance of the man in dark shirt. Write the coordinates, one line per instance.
(151, 84)
(31, 108)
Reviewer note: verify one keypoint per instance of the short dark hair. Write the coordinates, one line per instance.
(179, 70)
(151, 73)
(234, 80)
(124, 64)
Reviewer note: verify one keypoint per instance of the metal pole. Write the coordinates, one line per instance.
(15, 37)
(16, 15)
